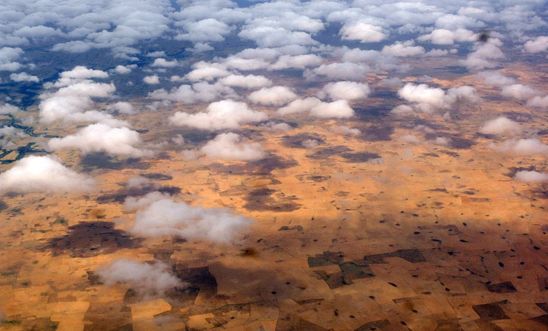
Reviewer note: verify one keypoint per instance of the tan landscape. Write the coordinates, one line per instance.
(372, 231)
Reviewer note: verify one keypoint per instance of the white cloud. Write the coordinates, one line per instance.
(518, 91)
(346, 131)
(42, 174)
(8, 57)
(531, 176)
(299, 106)
(335, 109)
(428, 99)
(102, 138)
(529, 146)
(250, 82)
(403, 49)
(206, 30)
(296, 62)
(24, 77)
(500, 126)
(122, 70)
(151, 80)
(272, 96)
(8, 135)
(169, 218)
(123, 107)
(163, 63)
(538, 101)
(230, 146)
(363, 32)
(485, 55)
(225, 114)
(206, 71)
(537, 45)
(345, 90)
(341, 71)
(448, 37)
(197, 92)
(6, 109)
(145, 278)
(495, 78)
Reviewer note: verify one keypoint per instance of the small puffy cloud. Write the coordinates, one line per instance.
(296, 62)
(500, 126)
(166, 217)
(24, 77)
(163, 63)
(250, 82)
(485, 55)
(538, 101)
(151, 80)
(335, 109)
(495, 78)
(518, 91)
(299, 106)
(6, 109)
(275, 36)
(403, 49)
(423, 94)
(123, 107)
(225, 114)
(197, 92)
(272, 96)
(345, 130)
(8, 57)
(340, 71)
(229, 146)
(122, 70)
(345, 90)
(102, 138)
(206, 30)
(146, 278)
(428, 99)
(206, 71)
(531, 176)
(537, 45)
(8, 134)
(363, 32)
(529, 146)
(43, 174)
(448, 37)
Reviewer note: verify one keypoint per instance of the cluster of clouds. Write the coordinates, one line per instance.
(511, 89)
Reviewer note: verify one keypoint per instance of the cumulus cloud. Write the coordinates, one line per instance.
(485, 55)
(206, 71)
(428, 99)
(530, 146)
(531, 176)
(197, 92)
(151, 80)
(296, 62)
(299, 106)
(166, 217)
(43, 174)
(363, 32)
(145, 278)
(335, 109)
(102, 138)
(538, 101)
(8, 136)
(273, 96)
(73, 101)
(518, 91)
(537, 45)
(206, 30)
(500, 126)
(122, 70)
(345, 90)
(230, 146)
(8, 57)
(447, 37)
(495, 78)
(403, 49)
(225, 114)
(24, 77)
(7, 108)
(123, 107)
(250, 82)
(340, 71)
(163, 63)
